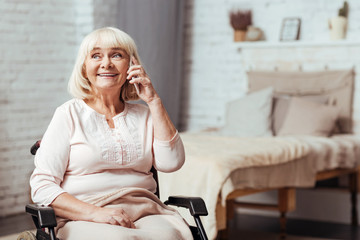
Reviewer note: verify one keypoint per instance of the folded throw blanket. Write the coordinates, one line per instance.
(137, 203)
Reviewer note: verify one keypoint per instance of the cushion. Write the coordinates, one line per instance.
(309, 118)
(338, 84)
(249, 116)
(281, 106)
(280, 109)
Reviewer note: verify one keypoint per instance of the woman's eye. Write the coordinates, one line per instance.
(117, 55)
(95, 56)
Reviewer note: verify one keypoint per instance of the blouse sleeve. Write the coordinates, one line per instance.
(169, 155)
(51, 160)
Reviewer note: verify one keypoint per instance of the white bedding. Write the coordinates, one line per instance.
(216, 165)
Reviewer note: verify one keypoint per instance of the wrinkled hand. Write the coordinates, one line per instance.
(137, 75)
(113, 216)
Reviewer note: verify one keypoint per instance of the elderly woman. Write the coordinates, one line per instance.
(94, 163)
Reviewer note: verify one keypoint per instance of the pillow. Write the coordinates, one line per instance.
(249, 116)
(338, 84)
(309, 118)
(281, 106)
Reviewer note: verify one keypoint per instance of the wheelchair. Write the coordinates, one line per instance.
(45, 220)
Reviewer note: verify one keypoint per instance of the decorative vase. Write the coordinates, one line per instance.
(338, 27)
(253, 33)
(239, 35)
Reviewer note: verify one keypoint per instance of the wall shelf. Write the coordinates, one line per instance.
(291, 44)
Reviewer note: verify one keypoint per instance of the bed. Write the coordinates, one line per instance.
(267, 145)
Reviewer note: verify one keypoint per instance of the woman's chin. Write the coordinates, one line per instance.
(108, 84)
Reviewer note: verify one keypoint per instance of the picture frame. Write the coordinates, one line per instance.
(290, 30)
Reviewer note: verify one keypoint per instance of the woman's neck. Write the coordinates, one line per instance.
(106, 105)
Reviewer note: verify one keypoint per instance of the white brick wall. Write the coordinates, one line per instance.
(38, 45)
(214, 67)
(84, 17)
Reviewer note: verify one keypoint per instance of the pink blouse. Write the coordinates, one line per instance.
(81, 155)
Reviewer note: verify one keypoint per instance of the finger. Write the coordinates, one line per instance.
(123, 221)
(135, 80)
(120, 221)
(134, 73)
(132, 225)
(128, 220)
(133, 68)
(113, 221)
(142, 81)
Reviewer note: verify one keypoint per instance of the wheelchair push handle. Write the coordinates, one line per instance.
(35, 147)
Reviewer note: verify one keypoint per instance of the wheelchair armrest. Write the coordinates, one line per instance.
(196, 205)
(45, 216)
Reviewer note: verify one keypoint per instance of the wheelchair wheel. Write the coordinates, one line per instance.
(27, 235)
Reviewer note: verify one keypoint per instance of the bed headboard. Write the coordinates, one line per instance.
(339, 85)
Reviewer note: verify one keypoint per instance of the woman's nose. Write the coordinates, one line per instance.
(106, 63)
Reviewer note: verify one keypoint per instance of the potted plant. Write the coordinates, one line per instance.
(240, 20)
(338, 24)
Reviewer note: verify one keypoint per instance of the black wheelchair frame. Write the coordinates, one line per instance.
(44, 216)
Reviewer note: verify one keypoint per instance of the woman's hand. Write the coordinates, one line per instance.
(69, 207)
(113, 216)
(164, 129)
(137, 75)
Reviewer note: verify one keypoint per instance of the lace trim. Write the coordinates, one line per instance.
(134, 135)
(117, 145)
(136, 147)
(124, 140)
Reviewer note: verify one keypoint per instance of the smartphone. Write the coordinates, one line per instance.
(135, 84)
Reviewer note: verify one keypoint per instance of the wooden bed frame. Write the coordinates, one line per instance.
(286, 200)
(286, 195)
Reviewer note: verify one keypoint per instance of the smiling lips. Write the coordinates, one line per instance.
(107, 74)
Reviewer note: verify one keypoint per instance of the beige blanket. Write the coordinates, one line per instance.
(137, 203)
(211, 159)
(338, 151)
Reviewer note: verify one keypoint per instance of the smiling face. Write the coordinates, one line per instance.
(83, 81)
(106, 68)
